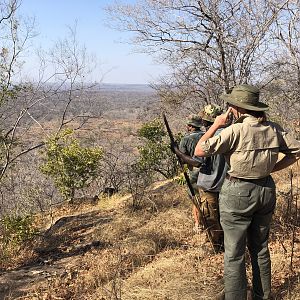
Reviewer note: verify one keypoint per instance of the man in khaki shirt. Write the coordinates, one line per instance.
(247, 199)
(254, 146)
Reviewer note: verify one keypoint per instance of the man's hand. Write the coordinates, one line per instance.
(174, 147)
(224, 119)
(220, 121)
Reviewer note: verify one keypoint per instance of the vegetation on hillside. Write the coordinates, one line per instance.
(71, 166)
(155, 154)
(63, 138)
(111, 251)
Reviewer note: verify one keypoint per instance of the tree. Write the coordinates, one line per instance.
(70, 166)
(32, 110)
(15, 33)
(284, 68)
(155, 155)
(208, 45)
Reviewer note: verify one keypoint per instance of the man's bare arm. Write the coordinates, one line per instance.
(186, 158)
(220, 121)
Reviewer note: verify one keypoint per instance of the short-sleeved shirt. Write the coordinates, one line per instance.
(189, 141)
(187, 146)
(251, 148)
(212, 172)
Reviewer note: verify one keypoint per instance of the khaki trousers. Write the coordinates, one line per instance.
(210, 210)
(246, 209)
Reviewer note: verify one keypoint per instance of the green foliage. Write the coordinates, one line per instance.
(16, 229)
(180, 180)
(71, 166)
(155, 155)
(152, 131)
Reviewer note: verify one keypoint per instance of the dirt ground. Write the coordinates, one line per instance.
(109, 251)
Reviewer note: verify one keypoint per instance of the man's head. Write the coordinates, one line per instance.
(193, 122)
(209, 113)
(245, 96)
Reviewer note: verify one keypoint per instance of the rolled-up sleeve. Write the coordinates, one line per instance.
(221, 143)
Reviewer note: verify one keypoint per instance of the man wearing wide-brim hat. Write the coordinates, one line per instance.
(245, 96)
(247, 199)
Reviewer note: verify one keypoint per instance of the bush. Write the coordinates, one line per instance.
(71, 166)
(16, 229)
(155, 156)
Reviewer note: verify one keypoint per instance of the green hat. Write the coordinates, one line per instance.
(194, 120)
(245, 96)
(210, 112)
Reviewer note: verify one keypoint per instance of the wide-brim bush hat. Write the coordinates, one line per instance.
(210, 112)
(245, 96)
(194, 120)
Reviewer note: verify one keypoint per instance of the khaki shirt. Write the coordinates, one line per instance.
(251, 148)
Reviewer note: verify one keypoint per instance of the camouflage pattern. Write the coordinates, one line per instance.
(210, 112)
(210, 210)
(194, 120)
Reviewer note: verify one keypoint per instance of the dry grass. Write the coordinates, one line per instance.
(151, 253)
(176, 274)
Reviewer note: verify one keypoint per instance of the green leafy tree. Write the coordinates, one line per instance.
(156, 155)
(71, 166)
(16, 229)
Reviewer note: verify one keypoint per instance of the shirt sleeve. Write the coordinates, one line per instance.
(182, 145)
(199, 159)
(219, 144)
(289, 144)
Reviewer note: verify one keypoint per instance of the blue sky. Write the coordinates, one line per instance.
(53, 17)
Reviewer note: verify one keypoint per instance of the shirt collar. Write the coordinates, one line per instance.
(246, 118)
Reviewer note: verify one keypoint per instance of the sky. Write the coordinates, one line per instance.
(117, 59)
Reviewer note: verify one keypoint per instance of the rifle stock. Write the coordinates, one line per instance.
(194, 198)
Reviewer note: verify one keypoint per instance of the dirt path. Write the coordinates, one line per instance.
(60, 249)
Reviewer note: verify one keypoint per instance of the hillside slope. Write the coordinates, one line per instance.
(110, 251)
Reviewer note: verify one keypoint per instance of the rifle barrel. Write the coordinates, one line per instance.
(194, 197)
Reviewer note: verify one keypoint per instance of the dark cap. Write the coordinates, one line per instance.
(194, 120)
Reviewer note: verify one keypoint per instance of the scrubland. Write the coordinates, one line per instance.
(108, 250)
(121, 247)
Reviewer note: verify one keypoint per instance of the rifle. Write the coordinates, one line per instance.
(194, 198)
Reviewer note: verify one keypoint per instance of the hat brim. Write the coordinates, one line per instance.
(208, 119)
(194, 124)
(258, 107)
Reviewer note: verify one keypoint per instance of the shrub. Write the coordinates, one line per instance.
(16, 229)
(71, 166)
(155, 155)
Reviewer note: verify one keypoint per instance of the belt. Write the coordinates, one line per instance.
(236, 179)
